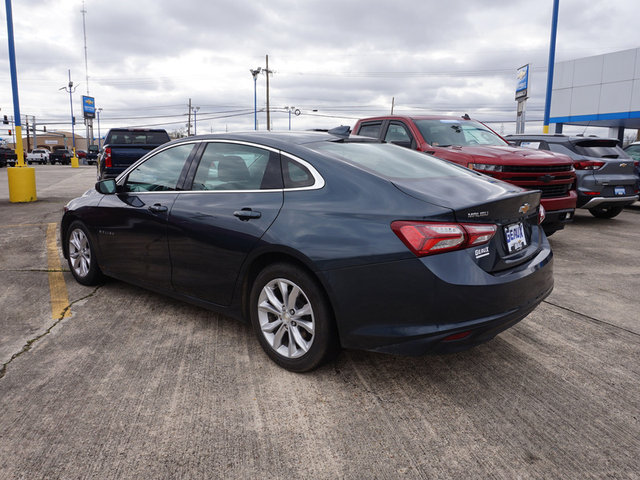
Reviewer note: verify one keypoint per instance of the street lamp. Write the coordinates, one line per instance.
(255, 74)
(296, 112)
(195, 119)
(99, 137)
(70, 89)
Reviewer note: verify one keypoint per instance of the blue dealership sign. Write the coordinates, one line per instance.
(523, 81)
(89, 107)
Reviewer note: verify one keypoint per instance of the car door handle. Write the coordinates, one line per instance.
(157, 208)
(246, 214)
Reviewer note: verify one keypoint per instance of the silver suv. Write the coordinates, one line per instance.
(606, 181)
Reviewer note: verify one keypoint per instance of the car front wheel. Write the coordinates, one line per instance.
(605, 212)
(292, 318)
(81, 257)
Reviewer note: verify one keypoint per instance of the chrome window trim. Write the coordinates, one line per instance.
(120, 178)
(318, 180)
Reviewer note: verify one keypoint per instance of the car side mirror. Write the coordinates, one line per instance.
(106, 187)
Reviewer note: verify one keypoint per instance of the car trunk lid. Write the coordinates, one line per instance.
(512, 209)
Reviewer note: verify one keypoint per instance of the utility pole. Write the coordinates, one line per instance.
(267, 72)
(189, 121)
(88, 122)
(26, 124)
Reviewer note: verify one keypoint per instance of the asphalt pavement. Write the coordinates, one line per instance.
(118, 382)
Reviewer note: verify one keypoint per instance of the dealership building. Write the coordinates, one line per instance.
(598, 91)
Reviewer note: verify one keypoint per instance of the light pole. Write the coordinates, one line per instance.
(255, 74)
(296, 112)
(98, 110)
(70, 89)
(195, 120)
(22, 180)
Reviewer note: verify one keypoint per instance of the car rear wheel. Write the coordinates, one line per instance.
(605, 212)
(292, 318)
(81, 258)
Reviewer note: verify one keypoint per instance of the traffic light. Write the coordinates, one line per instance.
(45, 128)
(5, 120)
(9, 132)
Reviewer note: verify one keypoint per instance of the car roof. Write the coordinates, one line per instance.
(559, 136)
(418, 117)
(279, 139)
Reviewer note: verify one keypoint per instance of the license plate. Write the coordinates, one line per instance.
(620, 190)
(516, 239)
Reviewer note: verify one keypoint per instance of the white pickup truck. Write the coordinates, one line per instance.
(38, 155)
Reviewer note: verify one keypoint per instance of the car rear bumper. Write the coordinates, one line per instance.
(609, 201)
(410, 307)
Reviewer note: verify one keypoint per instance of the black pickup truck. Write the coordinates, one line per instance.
(92, 155)
(7, 157)
(123, 146)
(60, 155)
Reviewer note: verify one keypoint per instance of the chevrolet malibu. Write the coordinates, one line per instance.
(319, 241)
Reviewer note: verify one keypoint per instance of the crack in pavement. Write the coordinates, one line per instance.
(32, 341)
(593, 319)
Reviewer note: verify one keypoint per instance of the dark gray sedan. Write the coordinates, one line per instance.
(319, 242)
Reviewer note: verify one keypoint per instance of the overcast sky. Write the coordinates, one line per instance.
(346, 59)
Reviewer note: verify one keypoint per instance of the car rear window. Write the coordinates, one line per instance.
(390, 161)
(600, 149)
(138, 138)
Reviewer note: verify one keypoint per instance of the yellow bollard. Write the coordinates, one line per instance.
(22, 184)
(74, 161)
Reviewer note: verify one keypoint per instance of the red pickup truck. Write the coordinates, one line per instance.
(474, 145)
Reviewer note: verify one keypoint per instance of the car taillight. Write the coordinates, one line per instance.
(107, 157)
(587, 165)
(429, 238)
(542, 214)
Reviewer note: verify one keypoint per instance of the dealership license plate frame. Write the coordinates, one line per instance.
(516, 242)
(619, 191)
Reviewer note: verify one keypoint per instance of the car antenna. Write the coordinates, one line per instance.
(466, 116)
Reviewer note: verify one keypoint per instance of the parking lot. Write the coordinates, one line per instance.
(119, 382)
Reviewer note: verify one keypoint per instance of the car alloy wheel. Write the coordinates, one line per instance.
(286, 318)
(292, 318)
(82, 261)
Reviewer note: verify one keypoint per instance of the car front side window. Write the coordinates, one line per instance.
(160, 172)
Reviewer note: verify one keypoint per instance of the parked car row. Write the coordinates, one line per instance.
(471, 144)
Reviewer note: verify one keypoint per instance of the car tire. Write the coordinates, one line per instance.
(81, 255)
(605, 212)
(292, 318)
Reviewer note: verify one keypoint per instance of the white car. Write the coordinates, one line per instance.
(38, 155)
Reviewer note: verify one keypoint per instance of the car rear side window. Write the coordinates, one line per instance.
(397, 133)
(558, 148)
(160, 172)
(296, 175)
(232, 166)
